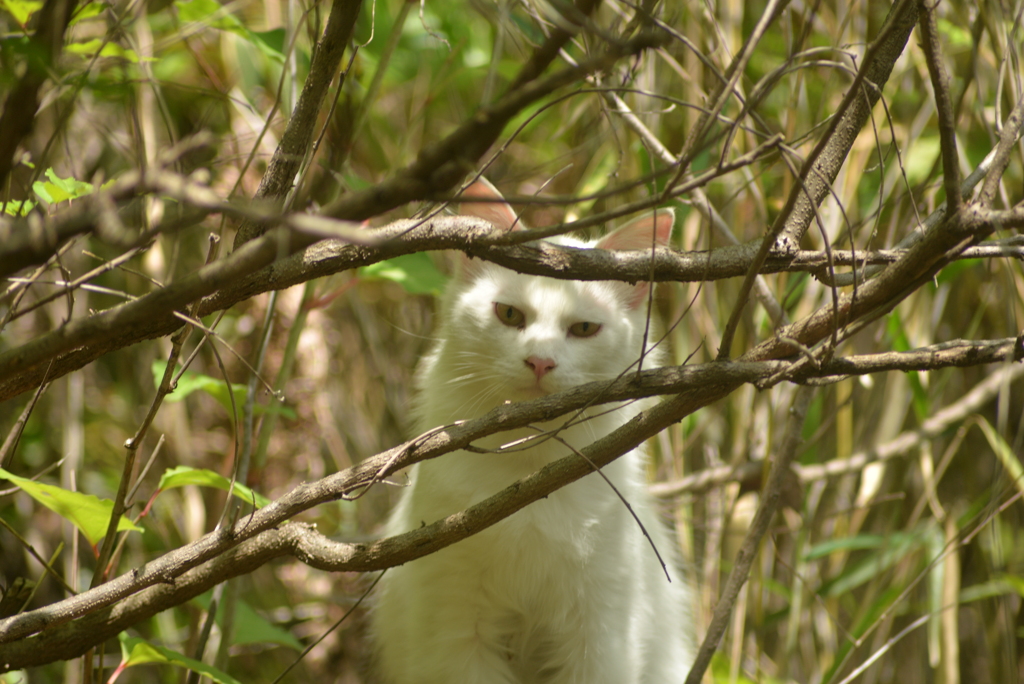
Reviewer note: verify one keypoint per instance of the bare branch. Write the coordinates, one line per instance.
(943, 105)
(748, 552)
(823, 164)
(972, 402)
(295, 142)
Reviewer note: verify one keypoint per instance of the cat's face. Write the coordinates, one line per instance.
(509, 336)
(525, 336)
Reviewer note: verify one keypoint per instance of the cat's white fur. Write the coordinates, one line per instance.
(567, 590)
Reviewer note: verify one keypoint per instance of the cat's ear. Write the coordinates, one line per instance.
(496, 211)
(640, 233)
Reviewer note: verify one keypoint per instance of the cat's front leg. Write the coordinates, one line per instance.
(429, 627)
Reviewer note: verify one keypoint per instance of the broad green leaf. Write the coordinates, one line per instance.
(21, 10)
(251, 627)
(88, 513)
(212, 14)
(19, 207)
(415, 272)
(184, 475)
(93, 9)
(596, 178)
(136, 651)
(270, 43)
(108, 49)
(58, 189)
(190, 382)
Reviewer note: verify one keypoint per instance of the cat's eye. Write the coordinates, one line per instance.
(584, 329)
(509, 315)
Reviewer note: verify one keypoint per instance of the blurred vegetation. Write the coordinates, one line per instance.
(918, 560)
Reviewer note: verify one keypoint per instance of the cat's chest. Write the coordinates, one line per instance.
(571, 516)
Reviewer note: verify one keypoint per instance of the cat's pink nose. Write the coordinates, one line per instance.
(540, 366)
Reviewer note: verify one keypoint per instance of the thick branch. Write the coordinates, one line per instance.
(823, 164)
(294, 145)
(943, 106)
(933, 426)
(238, 277)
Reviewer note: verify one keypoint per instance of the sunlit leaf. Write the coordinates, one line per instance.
(18, 207)
(21, 10)
(88, 513)
(136, 651)
(920, 161)
(88, 11)
(103, 49)
(184, 475)
(58, 189)
(217, 388)
(415, 272)
(998, 586)
(207, 12)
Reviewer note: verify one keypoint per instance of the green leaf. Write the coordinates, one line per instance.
(868, 618)
(88, 513)
(1004, 452)
(415, 272)
(921, 158)
(896, 547)
(184, 475)
(58, 189)
(956, 36)
(107, 49)
(999, 586)
(93, 9)
(209, 13)
(191, 382)
(251, 627)
(21, 10)
(270, 43)
(135, 651)
(857, 543)
(18, 207)
(901, 342)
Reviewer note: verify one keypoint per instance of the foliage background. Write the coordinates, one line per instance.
(850, 562)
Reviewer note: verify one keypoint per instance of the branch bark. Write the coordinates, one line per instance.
(298, 136)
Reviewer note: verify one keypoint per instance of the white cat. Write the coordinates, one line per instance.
(567, 590)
